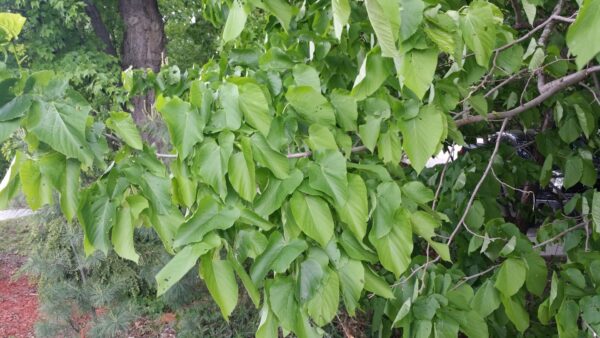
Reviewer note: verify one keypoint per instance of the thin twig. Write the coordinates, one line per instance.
(166, 155)
(578, 226)
(543, 41)
(524, 192)
(468, 278)
(591, 91)
(414, 272)
(461, 223)
(309, 153)
(439, 187)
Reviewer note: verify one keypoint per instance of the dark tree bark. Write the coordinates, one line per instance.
(99, 28)
(143, 46)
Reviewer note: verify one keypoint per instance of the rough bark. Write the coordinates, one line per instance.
(143, 46)
(99, 28)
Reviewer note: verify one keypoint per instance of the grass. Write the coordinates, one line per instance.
(15, 235)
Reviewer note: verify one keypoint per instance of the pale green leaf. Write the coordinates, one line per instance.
(255, 107)
(320, 137)
(236, 20)
(377, 285)
(311, 105)
(323, 306)
(421, 136)
(582, 36)
(241, 172)
(329, 175)
(341, 14)
(355, 212)
(380, 12)
(352, 282)
(183, 122)
(479, 30)
(268, 157)
(511, 276)
(369, 132)
(122, 124)
(417, 70)
(313, 216)
(11, 23)
(394, 249)
(220, 282)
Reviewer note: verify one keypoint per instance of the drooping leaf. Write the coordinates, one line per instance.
(355, 212)
(511, 276)
(341, 14)
(479, 30)
(311, 105)
(220, 281)
(421, 136)
(241, 172)
(236, 20)
(255, 107)
(581, 36)
(329, 175)
(183, 121)
(323, 306)
(418, 68)
(313, 216)
(122, 124)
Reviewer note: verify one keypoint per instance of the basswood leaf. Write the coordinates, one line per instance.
(62, 126)
(537, 273)
(418, 68)
(329, 175)
(183, 262)
(69, 189)
(389, 198)
(284, 305)
(96, 214)
(479, 30)
(241, 172)
(36, 187)
(313, 216)
(369, 132)
(205, 220)
(15, 108)
(183, 121)
(11, 24)
(122, 124)
(595, 210)
(394, 249)
(220, 282)
(236, 20)
(582, 36)
(321, 138)
(341, 14)
(255, 107)
(389, 148)
(377, 285)
(245, 278)
(352, 282)
(277, 256)
(122, 234)
(7, 128)
(346, 111)
(311, 105)
(9, 186)
(385, 19)
(411, 14)
(276, 192)
(282, 11)
(486, 299)
(516, 312)
(421, 135)
(268, 157)
(511, 276)
(323, 306)
(305, 75)
(211, 162)
(355, 212)
(573, 171)
(371, 75)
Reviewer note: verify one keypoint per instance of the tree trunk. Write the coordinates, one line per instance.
(143, 46)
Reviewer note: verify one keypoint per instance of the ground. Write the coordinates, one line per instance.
(18, 296)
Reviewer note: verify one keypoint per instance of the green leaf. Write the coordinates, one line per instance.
(582, 34)
(596, 211)
(236, 20)
(96, 214)
(275, 193)
(11, 180)
(418, 192)
(345, 110)
(15, 108)
(277, 256)
(530, 11)
(241, 172)
(183, 121)
(8, 128)
(479, 30)
(220, 281)
(394, 249)
(573, 171)
(355, 212)
(329, 175)
(36, 187)
(311, 105)
(245, 278)
(284, 305)
(369, 132)
(313, 216)
(511, 276)
(211, 163)
(323, 306)
(341, 14)
(377, 285)
(537, 273)
(268, 326)
(320, 138)
(62, 126)
(122, 124)
(586, 121)
(352, 281)
(516, 312)
(122, 234)
(424, 225)
(372, 74)
(486, 299)
(418, 68)
(281, 9)
(183, 262)
(411, 14)
(546, 171)
(230, 116)
(385, 19)
(255, 107)
(388, 198)
(421, 136)
(69, 189)
(480, 104)
(205, 220)
(389, 148)
(307, 76)
(267, 157)
(11, 23)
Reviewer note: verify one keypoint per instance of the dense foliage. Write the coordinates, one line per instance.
(298, 164)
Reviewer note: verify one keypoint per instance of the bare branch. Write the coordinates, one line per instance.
(439, 187)
(578, 226)
(551, 89)
(468, 278)
(461, 223)
(543, 41)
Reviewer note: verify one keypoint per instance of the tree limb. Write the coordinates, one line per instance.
(99, 27)
(550, 89)
(543, 41)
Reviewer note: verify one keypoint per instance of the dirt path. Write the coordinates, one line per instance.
(18, 297)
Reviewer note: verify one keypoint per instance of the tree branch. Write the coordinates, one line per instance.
(357, 149)
(99, 27)
(543, 41)
(461, 223)
(578, 226)
(550, 89)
